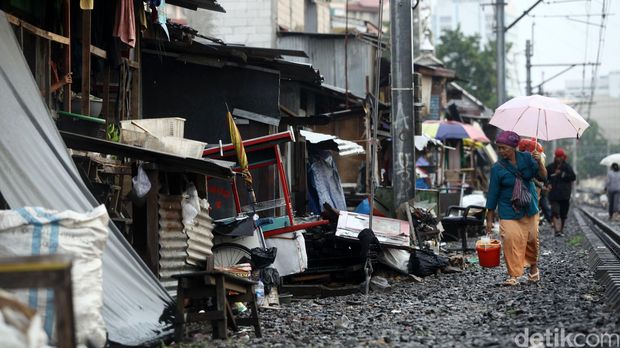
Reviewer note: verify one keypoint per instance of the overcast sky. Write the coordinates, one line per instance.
(561, 40)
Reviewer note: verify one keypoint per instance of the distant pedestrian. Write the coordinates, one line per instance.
(518, 226)
(612, 187)
(560, 179)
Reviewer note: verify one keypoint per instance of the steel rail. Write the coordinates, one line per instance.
(609, 236)
(604, 254)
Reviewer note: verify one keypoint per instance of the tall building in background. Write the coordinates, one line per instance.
(363, 15)
(605, 108)
(478, 17)
(257, 22)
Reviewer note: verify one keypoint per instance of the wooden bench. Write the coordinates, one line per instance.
(195, 288)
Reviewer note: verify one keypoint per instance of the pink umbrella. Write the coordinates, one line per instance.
(540, 117)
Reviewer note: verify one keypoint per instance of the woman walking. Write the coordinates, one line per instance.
(612, 186)
(518, 225)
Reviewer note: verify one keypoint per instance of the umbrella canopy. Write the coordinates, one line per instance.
(611, 159)
(242, 158)
(443, 130)
(539, 117)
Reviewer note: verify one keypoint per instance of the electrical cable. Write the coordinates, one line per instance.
(585, 56)
(601, 41)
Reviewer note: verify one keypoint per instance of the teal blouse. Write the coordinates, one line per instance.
(502, 183)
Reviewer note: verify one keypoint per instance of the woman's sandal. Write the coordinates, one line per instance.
(534, 277)
(511, 282)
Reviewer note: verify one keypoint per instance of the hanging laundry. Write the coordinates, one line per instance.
(125, 24)
(142, 19)
(162, 18)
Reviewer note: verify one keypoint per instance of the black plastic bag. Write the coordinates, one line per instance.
(270, 278)
(423, 263)
(263, 257)
(368, 242)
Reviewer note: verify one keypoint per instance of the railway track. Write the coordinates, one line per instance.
(604, 256)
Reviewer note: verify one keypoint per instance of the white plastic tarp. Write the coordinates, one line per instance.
(36, 170)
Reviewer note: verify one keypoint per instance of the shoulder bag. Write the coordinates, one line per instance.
(521, 195)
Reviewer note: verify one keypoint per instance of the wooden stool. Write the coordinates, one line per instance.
(197, 286)
(45, 271)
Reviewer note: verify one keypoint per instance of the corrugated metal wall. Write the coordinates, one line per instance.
(182, 248)
(200, 237)
(172, 242)
(328, 55)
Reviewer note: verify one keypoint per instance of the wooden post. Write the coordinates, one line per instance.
(63, 300)
(106, 96)
(152, 223)
(136, 83)
(86, 62)
(179, 320)
(47, 71)
(222, 325)
(67, 53)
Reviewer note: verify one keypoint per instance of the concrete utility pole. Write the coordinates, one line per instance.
(528, 67)
(501, 46)
(403, 151)
(501, 52)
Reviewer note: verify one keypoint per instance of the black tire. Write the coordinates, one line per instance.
(230, 254)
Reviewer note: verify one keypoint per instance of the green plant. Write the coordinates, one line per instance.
(576, 240)
(473, 63)
(112, 133)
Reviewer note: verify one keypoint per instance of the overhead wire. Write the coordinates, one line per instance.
(585, 55)
(601, 41)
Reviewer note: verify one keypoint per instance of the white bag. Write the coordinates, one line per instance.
(291, 257)
(37, 231)
(141, 183)
(20, 326)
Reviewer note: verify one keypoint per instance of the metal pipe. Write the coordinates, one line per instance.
(375, 116)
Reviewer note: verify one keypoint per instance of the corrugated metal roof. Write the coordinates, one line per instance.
(172, 242)
(326, 52)
(345, 147)
(196, 4)
(189, 165)
(231, 54)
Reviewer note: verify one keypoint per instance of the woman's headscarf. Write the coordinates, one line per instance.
(508, 138)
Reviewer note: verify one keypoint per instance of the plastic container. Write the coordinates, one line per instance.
(134, 138)
(159, 127)
(260, 294)
(177, 146)
(96, 104)
(81, 124)
(488, 252)
(273, 299)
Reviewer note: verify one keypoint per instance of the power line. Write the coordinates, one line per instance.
(585, 56)
(584, 22)
(562, 1)
(601, 40)
(571, 15)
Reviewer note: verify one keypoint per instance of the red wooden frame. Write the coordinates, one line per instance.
(262, 143)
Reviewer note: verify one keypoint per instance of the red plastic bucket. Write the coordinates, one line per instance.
(488, 253)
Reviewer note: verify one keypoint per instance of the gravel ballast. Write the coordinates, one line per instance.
(468, 309)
